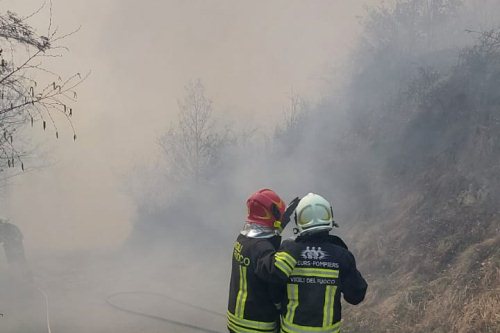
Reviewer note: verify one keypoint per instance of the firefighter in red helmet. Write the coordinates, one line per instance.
(253, 305)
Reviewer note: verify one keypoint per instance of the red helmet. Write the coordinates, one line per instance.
(265, 207)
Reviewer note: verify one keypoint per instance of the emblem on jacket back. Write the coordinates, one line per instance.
(313, 253)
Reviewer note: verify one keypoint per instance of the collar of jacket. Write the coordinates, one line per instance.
(253, 230)
(318, 236)
(323, 236)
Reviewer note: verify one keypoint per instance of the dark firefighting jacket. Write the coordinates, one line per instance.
(324, 269)
(251, 306)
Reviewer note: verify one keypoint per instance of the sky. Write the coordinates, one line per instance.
(250, 55)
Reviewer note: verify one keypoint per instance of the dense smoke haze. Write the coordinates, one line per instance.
(249, 56)
(367, 103)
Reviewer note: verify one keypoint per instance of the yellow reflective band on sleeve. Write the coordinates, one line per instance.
(240, 325)
(282, 266)
(292, 291)
(316, 272)
(289, 327)
(242, 293)
(287, 258)
(328, 309)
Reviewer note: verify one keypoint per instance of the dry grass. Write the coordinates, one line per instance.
(447, 284)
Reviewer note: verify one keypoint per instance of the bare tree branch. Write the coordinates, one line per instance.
(24, 98)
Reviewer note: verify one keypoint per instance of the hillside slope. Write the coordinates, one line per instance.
(432, 256)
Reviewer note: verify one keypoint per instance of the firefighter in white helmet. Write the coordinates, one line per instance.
(324, 271)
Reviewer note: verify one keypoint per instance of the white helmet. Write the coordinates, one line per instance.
(314, 213)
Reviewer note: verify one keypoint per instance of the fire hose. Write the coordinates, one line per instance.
(47, 314)
(139, 313)
(160, 318)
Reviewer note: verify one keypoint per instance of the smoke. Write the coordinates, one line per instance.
(363, 147)
(77, 211)
(106, 217)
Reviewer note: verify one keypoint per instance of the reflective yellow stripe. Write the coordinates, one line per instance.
(283, 267)
(292, 291)
(285, 262)
(242, 293)
(318, 272)
(246, 325)
(238, 329)
(328, 310)
(289, 327)
(287, 258)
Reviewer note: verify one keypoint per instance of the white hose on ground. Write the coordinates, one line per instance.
(147, 315)
(47, 314)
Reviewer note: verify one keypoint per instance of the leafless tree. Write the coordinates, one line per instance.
(294, 113)
(29, 92)
(193, 144)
